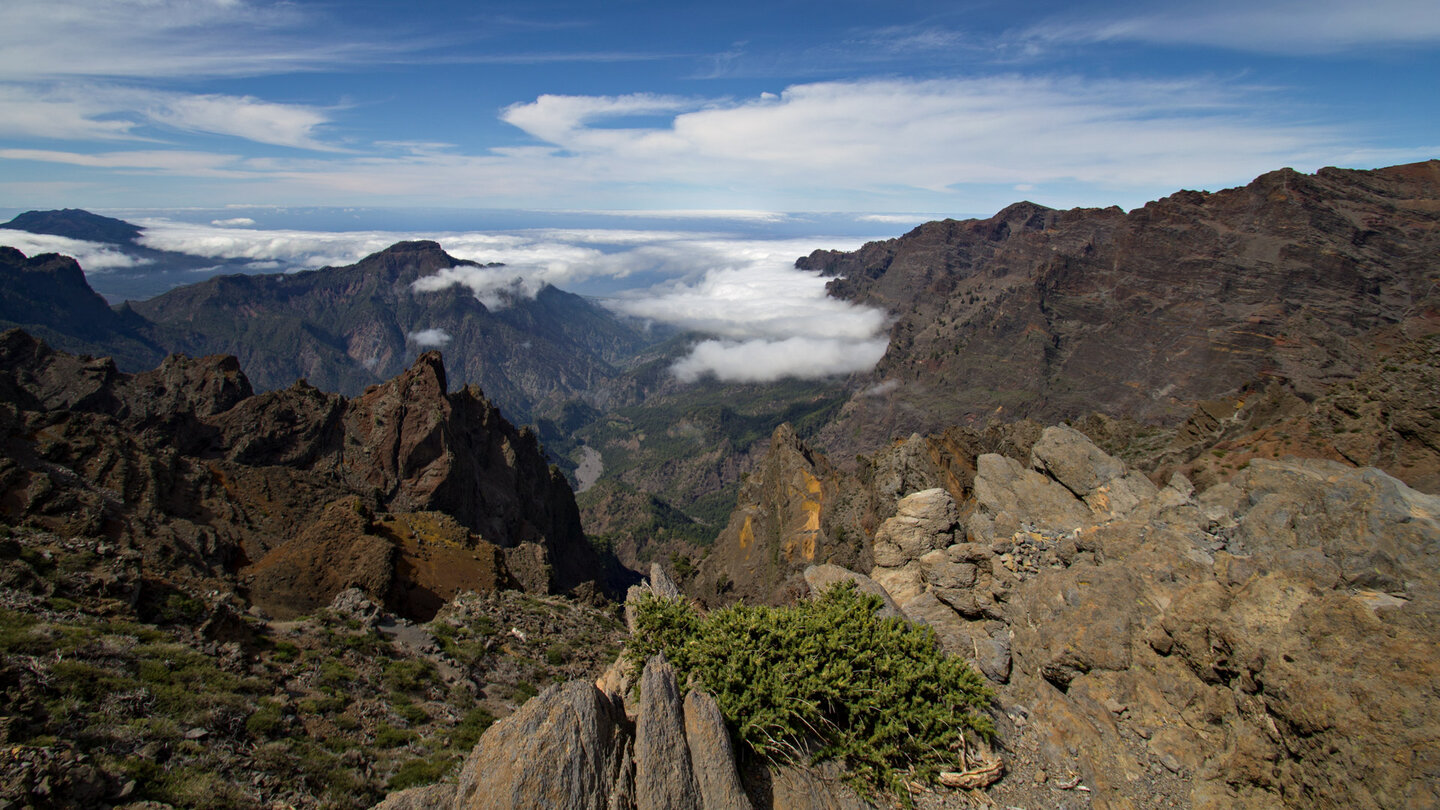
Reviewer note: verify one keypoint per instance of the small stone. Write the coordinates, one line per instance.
(1170, 762)
(196, 734)
(1040, 777)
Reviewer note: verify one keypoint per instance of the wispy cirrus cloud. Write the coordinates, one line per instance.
(1274, 26)
(81, 112)
(146, 39)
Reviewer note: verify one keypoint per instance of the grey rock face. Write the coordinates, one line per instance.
(664, 778)
(711, 755)
(560, 749)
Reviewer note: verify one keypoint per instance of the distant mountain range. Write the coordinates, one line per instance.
(340, 328)
(153, 271)
(1305, 282)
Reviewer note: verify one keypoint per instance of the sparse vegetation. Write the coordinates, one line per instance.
(825, 678)
(322, 711)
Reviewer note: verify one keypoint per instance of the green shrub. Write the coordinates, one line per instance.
(470, 727)
(409, 675)
(426, 771)
(558, 654)
(825, 678)
(388, 736)
(265, 721)
(335, 674)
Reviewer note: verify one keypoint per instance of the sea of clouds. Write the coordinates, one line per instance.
(763, 319)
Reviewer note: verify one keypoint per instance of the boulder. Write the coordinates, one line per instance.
(1072, 460)
(1004, 488)
(820, 577)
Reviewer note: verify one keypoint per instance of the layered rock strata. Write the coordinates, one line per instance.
(1266, 642)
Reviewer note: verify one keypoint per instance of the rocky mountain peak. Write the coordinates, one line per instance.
(211, 481)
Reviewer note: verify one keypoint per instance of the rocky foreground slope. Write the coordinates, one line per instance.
(1270, 640)
(212, 598)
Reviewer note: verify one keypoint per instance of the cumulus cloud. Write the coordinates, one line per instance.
(495, 287)
(771, 320)
(764, 360)
(233, 222)
(93, 257)
(867, 144)
(429, 338)
(932, 134)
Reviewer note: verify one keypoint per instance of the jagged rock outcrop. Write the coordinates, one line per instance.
(290, 496)
(1261, 643)
(711, 754)
(664, 773)
(777, 531)
(563, 748)
(573, 746)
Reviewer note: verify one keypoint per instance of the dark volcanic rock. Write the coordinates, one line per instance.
(49, 296)
(76, 223)
(1052, 314)
(294, 495)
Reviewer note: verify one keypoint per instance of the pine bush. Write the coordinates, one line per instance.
(825, 678)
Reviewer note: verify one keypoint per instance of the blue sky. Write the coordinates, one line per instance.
(783, 106)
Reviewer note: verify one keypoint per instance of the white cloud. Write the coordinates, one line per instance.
(161, 38)
(108, 111)
(900, 219)
(292, 248)
(429, 338)
(768, 360)
(561, 118)
(233, 222)
(1268, 26)
(495, 287)
(93, 257)
(192, 164)
(773, 320)
(745, 291)
(880, 389)
(240, 116)
(760, 297)
(866, 145)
